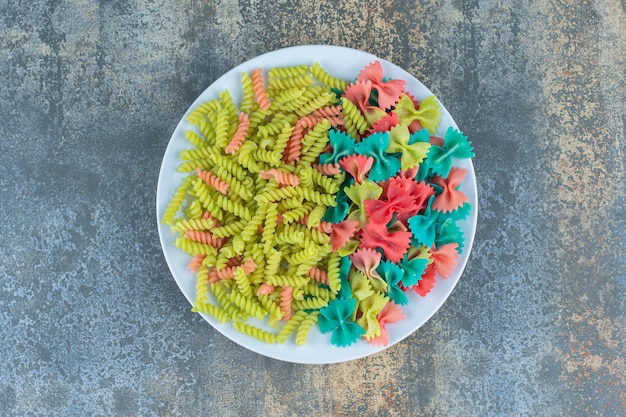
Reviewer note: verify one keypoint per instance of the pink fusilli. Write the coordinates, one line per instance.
(259, 89)
(204, 237)
(212, 180)
(293, 150)
(318, 275)
(283, 178)
(286, 294)
(196, 262)
(328, 169)
(240, 134)
(265, 288)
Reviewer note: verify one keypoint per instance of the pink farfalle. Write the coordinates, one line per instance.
(391, 313)
(342, 232)
(359, 93)
(404, 198)
(394, 245)
(379, 211)
(398, 226)
(409, 173)
(411, 195)
(444, 258)
(389, 91)
(427, 281)
(384, 124)
(366, 261)
(450, 198)
(357, 166)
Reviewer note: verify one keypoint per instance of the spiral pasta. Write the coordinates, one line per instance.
(355, 122)
(211, 309)
(326, 78)
(254, 199)
(310, 303)
(200, 112)
(240, 134)
(286, 295)
(305, 327)
(290, 326)
(193, 224)
(259, 89)
(204, 237)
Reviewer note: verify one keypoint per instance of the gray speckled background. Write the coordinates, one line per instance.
(91, 322)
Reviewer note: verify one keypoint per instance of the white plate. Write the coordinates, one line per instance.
(344, 63)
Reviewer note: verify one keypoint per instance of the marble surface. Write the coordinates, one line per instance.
(91, 321)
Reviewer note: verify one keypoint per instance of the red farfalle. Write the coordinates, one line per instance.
(444, 258)
(393, 244)
(427, 282)
(450, 198)
(342, 232)
(389, 91)
(357, 166)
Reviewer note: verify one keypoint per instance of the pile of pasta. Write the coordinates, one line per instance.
(317, 201)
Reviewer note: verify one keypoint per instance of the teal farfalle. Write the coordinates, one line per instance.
(423, 225)
(393, 274)
(449, 232)
(456, 145)
(337, 214)
(345, 292)
(375, 145)
(342, 144)
(420, 136)
(412, 270)
(335, 318)
(461, 213)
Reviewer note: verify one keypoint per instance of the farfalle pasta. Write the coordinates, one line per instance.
(316, 201)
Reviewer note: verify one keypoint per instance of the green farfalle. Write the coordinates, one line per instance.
(412, 154)
(385, 165)
(349, 248)
(428, 114)
(358, 193)
(370, 308)
(360, 285)
(393, 274)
